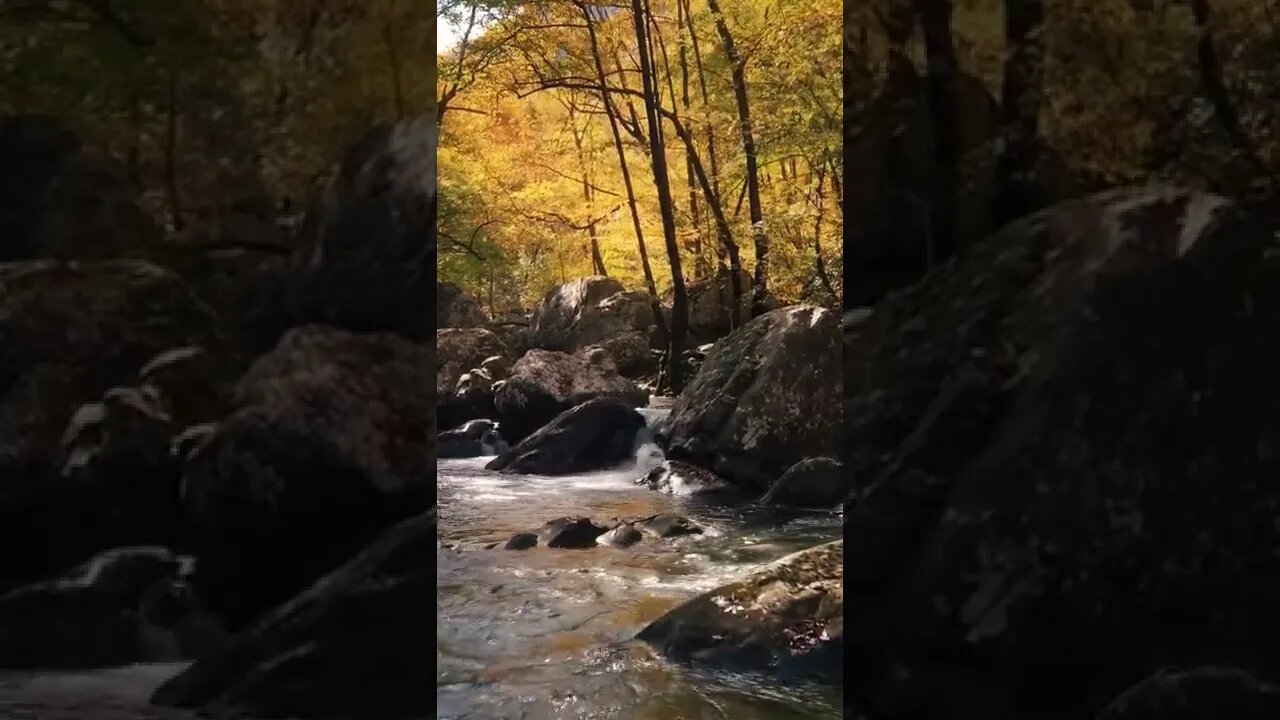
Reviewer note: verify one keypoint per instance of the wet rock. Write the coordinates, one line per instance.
(595, 435)
(544, 384)
(1007, 521)
(69, 332)
(123, 606)
(1199, 694)
(350, 645)
(668, 526)
(474, 439)
(57, 203)
(456, 308)
(461, 349)
(749, 414)
(498, 367)
(569, 532)
(621, 535)
(332, 440)
(453, 411)
(680, 478)
(811, 483)
(366, 257)
(786, 618)
(521, 541)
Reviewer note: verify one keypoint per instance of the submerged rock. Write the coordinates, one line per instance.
(127, 605)
(811, 483)
(620, 536)
(474, 439)
(596, 435)
(570, 533)
(667, 525)
(331, 442)
(351, 645)
(765, 398)
(680, 478)
(521, 541)
(786, 618)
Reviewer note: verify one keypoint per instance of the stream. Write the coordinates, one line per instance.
(547, 634)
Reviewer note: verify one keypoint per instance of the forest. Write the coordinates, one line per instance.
(1037, 101)
(213, 105)
(657, 142)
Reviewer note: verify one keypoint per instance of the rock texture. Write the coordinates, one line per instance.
(764, 399)
(545, 383)
(811, 483)
(350, 645)
(332, 440)
(786, 618)
(1199, 694)
(461, 349)
(366, 253)
(1064, 446)
(456, 308)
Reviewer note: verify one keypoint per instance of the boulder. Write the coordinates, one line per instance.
(786, 618)
(124, 606)
(456, 308)
(366, 252)
(69, 332)
(620, 536)
(1065, 445)
(545, 383)
(57, 203)
(587, 311)
(1199, 694)
(570, 532)
(331, 441)
(680, 478)
(598, 434)
(763, 400)
(521, 541)
(461, 349)
(811, 483)
(711, 305)
(473, 439)
(350, 645)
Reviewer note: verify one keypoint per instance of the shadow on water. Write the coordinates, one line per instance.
(548, 633)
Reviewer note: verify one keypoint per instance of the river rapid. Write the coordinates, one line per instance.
(548, 633)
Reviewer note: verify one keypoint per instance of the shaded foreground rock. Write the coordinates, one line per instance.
(570, 533)
(1066, 443)
(595, 435)
(473, 439)
(811, 483)
(353, 644)
(126, 605)
(764, 399)
(1199, 694)
(69, 332)
(786, 618)
(680, 478)
(544, 383)
(332, 441)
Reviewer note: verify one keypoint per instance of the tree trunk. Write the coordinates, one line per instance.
(593, 239)
(725, 237)
(1016, 188)
(819, 265)
(699, 261)
(171, 150)
(737, 67)
(658, 159)
(1215, 88)
(935, 21)
(601, 76)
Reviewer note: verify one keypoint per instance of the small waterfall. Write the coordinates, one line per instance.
(653, 415)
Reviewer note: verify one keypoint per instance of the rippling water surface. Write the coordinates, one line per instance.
(547, 633)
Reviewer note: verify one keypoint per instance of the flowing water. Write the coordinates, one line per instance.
(548, 634)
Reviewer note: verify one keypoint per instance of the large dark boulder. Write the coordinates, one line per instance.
(811, 483)
(786, 618)
(332, 441)
(56, 202)
(69, 332)
(545, 383)
(123, 606)
(595, 435)
(352, 645)
(1065, 446)
(765, 398)
(366, 253)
